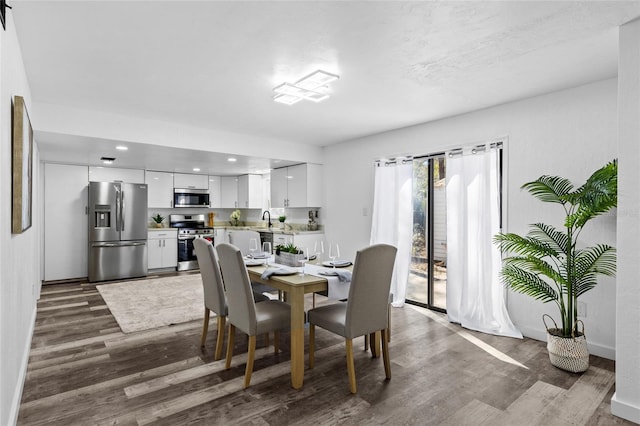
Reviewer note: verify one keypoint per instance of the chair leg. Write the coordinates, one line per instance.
(385, 354)
(266, 340)
(276, 341)
(232, 333)
(250, 356)
(313, 303)
(389, 323)
(374, 343)
(366, 342)
(351, 368)
(312, 344)
(222, 320)
(205, 327)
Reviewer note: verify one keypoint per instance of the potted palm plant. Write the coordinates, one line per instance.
(548, 265)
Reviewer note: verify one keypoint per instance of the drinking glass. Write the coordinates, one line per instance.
(266, 249)
(304, 259)
(253, 246)
(334, 252)
(318, 250)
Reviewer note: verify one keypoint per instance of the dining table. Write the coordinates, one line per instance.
(294, 286)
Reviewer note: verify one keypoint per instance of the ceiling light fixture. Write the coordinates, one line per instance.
(195, 169)
(122, 148)
(231, 160)
(313, 88)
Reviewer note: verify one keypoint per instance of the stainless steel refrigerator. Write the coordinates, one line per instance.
(117, 230)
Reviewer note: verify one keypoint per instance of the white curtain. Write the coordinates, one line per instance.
(392, 219)
(475, 295)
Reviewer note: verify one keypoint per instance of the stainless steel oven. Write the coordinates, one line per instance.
(189, 227)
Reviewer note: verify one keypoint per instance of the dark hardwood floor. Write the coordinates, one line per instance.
(83, 370)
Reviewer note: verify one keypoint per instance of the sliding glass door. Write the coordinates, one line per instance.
(427, 285)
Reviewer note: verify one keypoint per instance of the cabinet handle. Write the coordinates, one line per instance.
(159, 243)
(164, 243)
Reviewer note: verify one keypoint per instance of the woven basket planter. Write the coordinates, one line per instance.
(567, 353)
(288, 259)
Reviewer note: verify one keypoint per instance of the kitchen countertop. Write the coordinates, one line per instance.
(252, 228)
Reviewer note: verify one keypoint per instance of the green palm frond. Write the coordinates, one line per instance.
(528, 283)
(550, 189)
(598, 195)
(524, 246)
(600, 259)
(538, 267)
(551, 236)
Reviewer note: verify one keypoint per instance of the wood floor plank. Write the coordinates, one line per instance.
(62, 307)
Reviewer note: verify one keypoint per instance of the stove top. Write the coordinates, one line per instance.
(195, 231)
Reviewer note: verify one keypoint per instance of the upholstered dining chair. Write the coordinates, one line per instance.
(366, 309)
(214, 297)
(241, 238)
(246, 315)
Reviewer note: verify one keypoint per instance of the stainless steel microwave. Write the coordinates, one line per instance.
(190, 198)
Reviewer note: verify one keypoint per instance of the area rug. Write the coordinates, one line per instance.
(147, 304)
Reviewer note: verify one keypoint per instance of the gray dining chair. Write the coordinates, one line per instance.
(214, 296)
(240, 238)
(246, 315)
(366, 309)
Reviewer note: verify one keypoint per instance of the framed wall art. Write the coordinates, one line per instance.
(22, 164)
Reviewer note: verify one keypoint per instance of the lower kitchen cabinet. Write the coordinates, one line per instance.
(163, 248)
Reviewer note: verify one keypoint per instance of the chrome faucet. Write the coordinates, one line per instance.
(269, 213)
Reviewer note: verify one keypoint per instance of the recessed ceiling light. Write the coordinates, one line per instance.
(195, 169)
(122, 148)
(232, 159)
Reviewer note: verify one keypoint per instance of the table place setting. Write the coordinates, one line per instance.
(338, 280)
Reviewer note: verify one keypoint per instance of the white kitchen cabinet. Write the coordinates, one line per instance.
(163, 248)
(219, 236)
(189, 181)
(250, 191)
(229, 192)
(214, 192)
(297, 186)
(113, 174)
(65, 221)
(159, 189)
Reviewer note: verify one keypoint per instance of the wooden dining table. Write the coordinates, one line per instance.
(295, 287)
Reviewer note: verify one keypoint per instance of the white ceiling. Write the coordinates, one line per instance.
(213, 64)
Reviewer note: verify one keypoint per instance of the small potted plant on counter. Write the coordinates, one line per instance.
(157, 219)
(281, 219)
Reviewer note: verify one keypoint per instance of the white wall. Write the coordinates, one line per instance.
(626, 400)
(20, 254)
(569, 133)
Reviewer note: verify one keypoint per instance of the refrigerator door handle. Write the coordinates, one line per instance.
(118, 212)
(122, 211)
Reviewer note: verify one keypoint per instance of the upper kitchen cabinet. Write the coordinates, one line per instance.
(66, 222)
(297, 186)
(250, 191)
(229, 192)
(159, 189)
(214, 192)
(112, 174)
(189, 181)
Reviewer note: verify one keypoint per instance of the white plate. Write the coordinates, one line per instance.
(254, 262)
(283, 270)
(338, 263)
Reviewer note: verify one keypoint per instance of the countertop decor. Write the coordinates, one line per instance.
(157, 220)
(235, 217)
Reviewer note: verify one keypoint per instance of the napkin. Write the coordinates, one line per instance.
(341, 274)
(280, 270)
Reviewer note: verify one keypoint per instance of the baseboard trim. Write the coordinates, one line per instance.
(594, 348)
(17, 396)
(624, 410)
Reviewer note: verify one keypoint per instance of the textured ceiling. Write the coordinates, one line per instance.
(214, 64)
